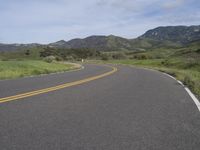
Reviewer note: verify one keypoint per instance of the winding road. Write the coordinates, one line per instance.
(98, 108)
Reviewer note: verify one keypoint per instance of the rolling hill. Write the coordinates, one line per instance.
(176, 34)
(15, 47)
(102, 43)
(160, 37)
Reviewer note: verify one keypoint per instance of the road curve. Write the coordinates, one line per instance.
(57, 87)
(131, 109)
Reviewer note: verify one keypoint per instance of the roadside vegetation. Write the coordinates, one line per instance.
(180, 62)
(21, 68)
(186, 71)
(36, 61)
(184, 64)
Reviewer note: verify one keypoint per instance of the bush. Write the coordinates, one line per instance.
(141, 56)
(48, 51)
(119, 56)
(58, 58)
(198, 50)
(69, 58)
(104, 56)
(49, 59)
(188, 81)
(165, 62)
(4, 59)
(27, 52)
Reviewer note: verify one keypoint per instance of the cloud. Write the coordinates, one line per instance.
(173, 4)
(130, 6)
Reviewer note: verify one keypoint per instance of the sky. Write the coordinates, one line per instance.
(46, 21)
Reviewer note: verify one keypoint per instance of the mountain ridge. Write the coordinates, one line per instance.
(179, 34)
(163, 36)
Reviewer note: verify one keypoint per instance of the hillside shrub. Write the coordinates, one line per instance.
(141, 56)
(27, 52)
(119, 56)
(48, 51)
(198, 50)
(49, 59)
(70, 58)
(105, 56)
(58, 58)
(4, 59)
(165, 62)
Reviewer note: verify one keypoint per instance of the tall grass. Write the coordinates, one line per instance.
(15, 69)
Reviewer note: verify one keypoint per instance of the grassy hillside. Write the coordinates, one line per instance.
(177, 34)
(31, 53)
(100, 43)
(16, 69)
(61, 54)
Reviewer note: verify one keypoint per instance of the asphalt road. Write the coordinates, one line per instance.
(132, 109)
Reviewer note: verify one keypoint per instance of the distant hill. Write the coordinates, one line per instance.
(148, 43)
(105, 43)
(160, 37)
(15, 47)
(176, 34)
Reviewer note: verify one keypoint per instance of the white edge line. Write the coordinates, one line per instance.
(170, 76)
(196, 101)
(194, 98)
(181, 83)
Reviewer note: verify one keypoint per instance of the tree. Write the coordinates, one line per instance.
(48, 51)
(27, 53)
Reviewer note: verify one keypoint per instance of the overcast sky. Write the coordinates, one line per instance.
(44, 21)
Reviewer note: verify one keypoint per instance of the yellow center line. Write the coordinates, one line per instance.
(50, 89)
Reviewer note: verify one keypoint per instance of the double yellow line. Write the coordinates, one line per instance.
(46, 90)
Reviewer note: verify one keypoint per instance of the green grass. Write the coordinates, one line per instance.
(15, 69)
(185, 70)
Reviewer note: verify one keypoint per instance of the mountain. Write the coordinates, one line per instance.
(176, 34)
(105, 43)
(167, 37)
(160, 37)
(60, 43)
(15, 47)
(149, 44)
